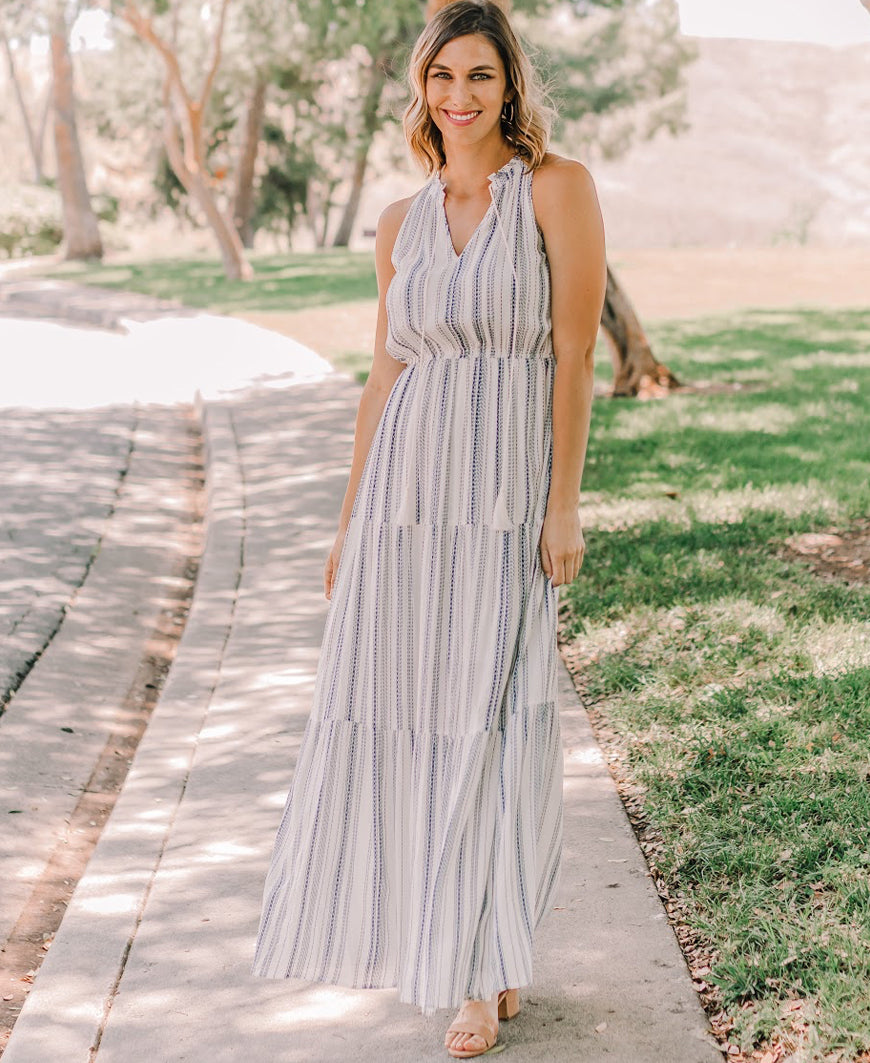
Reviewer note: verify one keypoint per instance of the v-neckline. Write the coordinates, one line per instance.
(457, 255)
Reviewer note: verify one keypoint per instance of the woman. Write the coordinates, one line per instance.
(421, 839)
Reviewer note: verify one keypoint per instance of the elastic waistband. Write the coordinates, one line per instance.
(482, 353)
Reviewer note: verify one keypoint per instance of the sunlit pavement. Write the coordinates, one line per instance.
(59, 475)
(152, 960)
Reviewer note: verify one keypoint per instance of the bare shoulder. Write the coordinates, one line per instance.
(390, 220)
(557, 171)
(561, 185)
(392, 216)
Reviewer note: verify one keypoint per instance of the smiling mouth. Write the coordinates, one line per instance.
(462, 117)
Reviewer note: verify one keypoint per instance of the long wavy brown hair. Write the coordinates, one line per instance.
(526, 120)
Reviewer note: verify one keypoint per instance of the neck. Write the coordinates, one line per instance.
(467, 167)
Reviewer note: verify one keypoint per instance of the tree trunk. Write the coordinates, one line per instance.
(190, 168)
(371, 103)
(243, 199)
(348, 217)
(635, 370)
(80, 229)
(318, 207)
(184, 114)
(34, 146)
(313, 212)
(40, 133)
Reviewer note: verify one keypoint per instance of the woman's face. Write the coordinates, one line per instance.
(465, 89)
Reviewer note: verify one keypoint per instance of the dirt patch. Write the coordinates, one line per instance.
(685, 282)
(331, 331)
(838, 555)
(662, 283)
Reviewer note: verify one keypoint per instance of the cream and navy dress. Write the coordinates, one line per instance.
(421, 838)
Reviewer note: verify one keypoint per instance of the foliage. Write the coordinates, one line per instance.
(617, 72)
(284, 186)
(618, 66)
(30, 220)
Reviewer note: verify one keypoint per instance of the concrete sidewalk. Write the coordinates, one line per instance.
(69, 727)
(60, 469)
(151, 962)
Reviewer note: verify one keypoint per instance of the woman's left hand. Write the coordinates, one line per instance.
(562, 544)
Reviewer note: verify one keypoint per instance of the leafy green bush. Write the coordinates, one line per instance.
(105, 206)
(30, 221)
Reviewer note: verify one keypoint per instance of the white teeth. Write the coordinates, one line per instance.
(462, 117)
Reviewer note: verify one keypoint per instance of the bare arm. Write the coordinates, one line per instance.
(567, 209)
(382, 376)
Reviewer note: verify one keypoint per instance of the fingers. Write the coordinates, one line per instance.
(562, 570)
(546, 563)
(563, 564)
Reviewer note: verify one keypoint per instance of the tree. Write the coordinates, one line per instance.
(275, 49)
(635, 369)
(35, 134)
(310, 133)
(267, 38)
(382, 33)
(80, 228)
(375, 81)
(252, 126)
(184, 133)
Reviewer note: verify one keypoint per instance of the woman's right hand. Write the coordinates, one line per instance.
(331, 567)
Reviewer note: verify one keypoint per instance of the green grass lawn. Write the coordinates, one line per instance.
(735, 681)
(281, 282)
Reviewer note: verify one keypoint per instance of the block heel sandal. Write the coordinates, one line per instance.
(508, 1006)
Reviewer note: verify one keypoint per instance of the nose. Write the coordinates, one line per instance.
(462, 98)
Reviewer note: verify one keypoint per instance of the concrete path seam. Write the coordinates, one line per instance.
(27, 666)
(67, 1008)
(56, 728)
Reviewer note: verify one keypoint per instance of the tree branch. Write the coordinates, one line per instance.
(35, 153)
(144, 28)
(170, 140)
(215, 56)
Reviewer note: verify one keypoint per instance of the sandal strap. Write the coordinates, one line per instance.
(477, 1028)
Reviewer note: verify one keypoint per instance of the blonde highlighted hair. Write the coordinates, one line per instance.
(528, 122)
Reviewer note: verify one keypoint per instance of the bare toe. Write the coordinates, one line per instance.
(470, 1042)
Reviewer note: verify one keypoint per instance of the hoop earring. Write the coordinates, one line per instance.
(508, 119)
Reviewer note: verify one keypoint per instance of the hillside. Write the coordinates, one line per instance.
(778, 152)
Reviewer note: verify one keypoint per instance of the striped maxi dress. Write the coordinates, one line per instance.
(421, 838)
